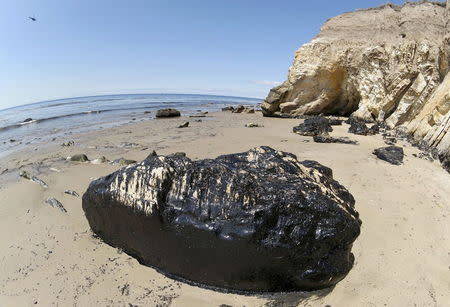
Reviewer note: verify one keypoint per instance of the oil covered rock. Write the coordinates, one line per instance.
(391, 154)
(254, 221)
(312, 126)
(357, 126)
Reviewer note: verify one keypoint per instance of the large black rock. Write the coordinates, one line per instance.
(312, 126)
(253, 221)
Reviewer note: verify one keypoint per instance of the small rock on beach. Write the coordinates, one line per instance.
(184, 125)
(55, 204)
(168, 113)
(391, 154)
(78, 158)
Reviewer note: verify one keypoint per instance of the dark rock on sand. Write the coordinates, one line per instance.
(228, 108)
(424, 156)
(129, 145)
(28, 120)
(330, 139)
(253, 125)
(238, 109)
(391, 154)
(78, 158)
(168, 113)
(254, 221)
(26, 175)
(68, 144)
(374, 129)
(55, 204)
(390, 140)
(70, 192)
(334, 121)
(184, 125)
(357, 126)
(312, 126)
(445, 161)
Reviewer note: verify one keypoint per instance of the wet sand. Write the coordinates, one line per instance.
(51, 258)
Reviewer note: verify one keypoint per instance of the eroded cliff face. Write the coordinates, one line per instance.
(386, 64)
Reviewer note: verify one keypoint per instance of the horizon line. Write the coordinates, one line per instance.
(124, 94)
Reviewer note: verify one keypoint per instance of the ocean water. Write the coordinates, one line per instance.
(57, 118)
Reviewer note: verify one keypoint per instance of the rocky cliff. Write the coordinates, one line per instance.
(388, 64)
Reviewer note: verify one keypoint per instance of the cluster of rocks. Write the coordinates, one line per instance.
(68, 144)
(359, 127)
(260, 220)
(84, 159)
(239, 109)
(427, 152)
(319, 127)
(53, 202)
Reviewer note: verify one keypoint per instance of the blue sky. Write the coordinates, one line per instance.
(94, 47)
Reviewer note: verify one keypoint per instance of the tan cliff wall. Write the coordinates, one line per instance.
(386, 64)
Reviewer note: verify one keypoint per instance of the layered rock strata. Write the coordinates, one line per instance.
(388, 64)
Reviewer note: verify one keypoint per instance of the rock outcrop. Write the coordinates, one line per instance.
(388, 64)
(254, 221)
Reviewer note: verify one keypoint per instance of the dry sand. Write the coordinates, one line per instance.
(51, 258)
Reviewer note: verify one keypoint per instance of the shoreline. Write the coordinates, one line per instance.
(401, 255)
(50, 120)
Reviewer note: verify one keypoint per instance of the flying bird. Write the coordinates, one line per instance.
(32, 18)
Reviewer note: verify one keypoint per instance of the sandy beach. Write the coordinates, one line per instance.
(51, 258)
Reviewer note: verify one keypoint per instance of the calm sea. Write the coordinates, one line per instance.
(56, 118)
